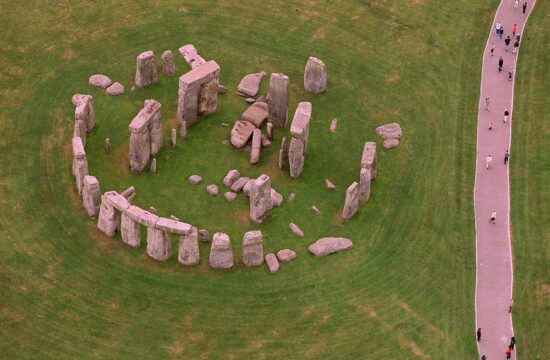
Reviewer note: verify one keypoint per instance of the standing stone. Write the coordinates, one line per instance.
(80, 131)
(300, 133)
(278, 100)
(191, 56)
(107, 220)
(269, 131)
(91, 195)
(364, 184)
(107, 145)
(188, 253)
(183, 129)
(204, 235)
(85, 112)
(250, 84)
(155, 126)
(333, 125)
(256, 146)
(368, 158)
(296, 157)
(272, 263)
(208, 97)
(283, 154)
(153, 167)
(276, 198)
(351, 204)
(253, 249)
(129, 231)
(80, 163)
(159, 244)
(146, 69)
(173, 137)
(145, 135)
(315, 76)
(231, 177)
(168, 66)
(241, 133)
(221, 254)
(260, 199)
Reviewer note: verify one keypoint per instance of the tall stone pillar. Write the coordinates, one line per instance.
(85, 111)
(91, 195)
(278, 99)
(146, 69)
(315, 76)
(159, 244)
(188, 253)
(129, 231)
(107, 221)
(300, 133)
(351, 204)
(253, 249)
(260, 199)
(80, 163)
(221, 254)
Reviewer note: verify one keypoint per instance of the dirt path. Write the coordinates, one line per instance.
(494, 278)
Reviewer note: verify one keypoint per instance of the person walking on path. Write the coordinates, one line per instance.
(507, 43)
(508, 353)
(512, 342)
(506, 114)
(487, 103)
(497, 28)
(516, 45)
(518, 37)
(484, 357)
(514, 29)
(511, 73)
(491, 125)
(500, 63)
(478, 334)
(492, 48)
(506, 158)
(493, 218)
(488, 161)
(524, 8)
(516, 4)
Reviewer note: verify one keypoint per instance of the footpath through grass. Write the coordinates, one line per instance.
(404, 291)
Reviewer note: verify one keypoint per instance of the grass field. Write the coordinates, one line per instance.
(405, 290)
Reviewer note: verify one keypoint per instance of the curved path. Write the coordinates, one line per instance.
(494, 277)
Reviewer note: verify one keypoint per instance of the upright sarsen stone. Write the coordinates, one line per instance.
(80, 163)
(146, 69)
(253, 250)
(364, 184)
(300, 133)
(188, 253)
(221, 254)
(91, 195)
(368, 158)
(85, 112)
(315, 76)
(129, 231)
(351, 204)
(155, 127)
(260, 199)
(278, 100)
(168, 66)
(159, 244)
(107, 220)
(146, 137)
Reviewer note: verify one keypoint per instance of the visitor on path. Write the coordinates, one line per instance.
(511, 73)
(500, 63)
(478, 334)
(501, 32)
(507, 43)
(493, 218)
(484, 357)
(487, 103)
(512, 342)
(491, 125)
(514, 29)
(516, 4)
(506, 114)
(518, 37)
(492, 48)
(497, 28)
(510, 306)
(488, 161)
(516, 45)
(524, 8)
(506, 157)
(508, 353)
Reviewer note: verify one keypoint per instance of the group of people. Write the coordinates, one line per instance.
(508, 351)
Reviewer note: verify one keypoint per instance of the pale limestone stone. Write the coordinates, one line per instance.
(146, 69)
(191, 56)
(329, 185)
(315, 76)
(85, 112)
(222, 89)
(115, 89)
(99, 80)
(159, 244)
(296, 230)
(286, 255)
(241, 133)
(283, 154)
(250, 84)
(168, 65)
(278, 99)
(212, 190)
(107, 220)
(188, 252)
(329, 245)
(260, 199)
(253, 250)
(231, 177)
(250, 100)
(129, 231)
(269, 131)
(272, 263)
(204, 235)
(364, 185)
(256, 146)
(195, 179)
(230, 196)
(107, 145)
(80, 163)
(291, 197)
(276, 198)
(315, 209)
(333, 125)
(91, 195)
(351, 204)
(173, 137)
(153, 210)
(128, 192)
(256, 114)
(239, 184)
(153, 167)
(221, 254)
(266, 143)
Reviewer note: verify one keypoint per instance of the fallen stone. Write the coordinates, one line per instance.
(329, 185)
(241, 133)
(129, 191)
(266, 143)
(256, 114)
(256, 146)
(315, 76)
(329, 245)
(269, 131)
(253, 250)
(276, 198)
(204, 235)
(191, 56)
(188, 252)
(351, 204)
(212, 190)
(389, 131)
(239, 184)
(168, 65)
(391, 143)
(115, 89)
(315, 209)
(221, 254)
(286, 255)
(250, 100)
(230, 196)
(272, 263)
(296, 230)
(195, 179)
(291, 197)
(146, 69)
(221, 89)
(231, 177)
(101, 81)
(333, 125)
(247, 187)
(250, 84)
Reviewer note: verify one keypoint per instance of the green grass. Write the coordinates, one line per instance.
(404, 291)
(530, 176)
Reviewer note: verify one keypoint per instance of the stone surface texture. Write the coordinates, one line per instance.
(238, 185)
(278, 100)
(115, 89)
(256, 114)
(299, 129)
(351, 204)
(250, 84)
(276, 198)
(129, 231)
(230, 196)
(212, 190)
(241, 133)
(221, 254)
(168, 65)
(85, 112)
(107, 220)
(272, 263)
(253, 250)
(296, 230)
(145, 135)
(232, 176)
(260, 199)
(191, 56)
(99, 80)
(146, 69)
(91, 195)
(80, 163)
(315, 76)
(256, 146)
(195, 179)
(329, 245)
(286, 255)
(188, 250)
(159, 244)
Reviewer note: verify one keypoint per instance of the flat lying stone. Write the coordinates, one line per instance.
(195, 179)
(296, 230)
(250, 100)
(291, 197)
(115, 89)
(391, 143)
(212, 190)
(101, 81)
(256, 114)
(272, 263)
(230, 196)
(333, 125)
(286, 255)
(239, 184)
(173, 226)
(204, 235)
(231, 177)
(191, 55)
(329, 245)
(222, 89)
(315, 209)
(117, 201)
(250, 84)
(276, 198)
(241, 133)
(389, 131)
(329, 185)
